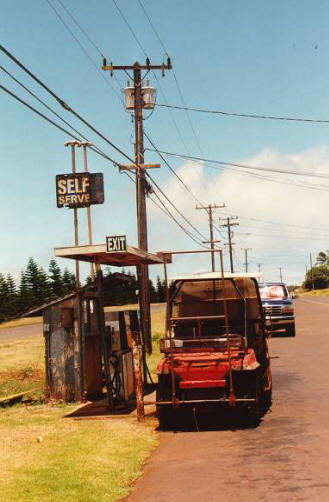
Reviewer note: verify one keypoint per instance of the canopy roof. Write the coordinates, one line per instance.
(96, 253)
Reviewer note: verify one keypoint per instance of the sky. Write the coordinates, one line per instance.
(254, 57)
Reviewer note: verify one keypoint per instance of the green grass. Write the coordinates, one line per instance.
(315, 292)
(22, 366)
(158, 329)
(48, 458)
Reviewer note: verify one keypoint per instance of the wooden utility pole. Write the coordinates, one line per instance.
(141, 183)
(141, 190)
(280, 274)
(73, 144)
(246, 257)
(229, 224)
(211, 241)
(85, 145)
(312, 277)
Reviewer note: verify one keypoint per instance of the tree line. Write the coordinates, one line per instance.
(36, 287)
(317, 277)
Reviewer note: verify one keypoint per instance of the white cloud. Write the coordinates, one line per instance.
(252, 197)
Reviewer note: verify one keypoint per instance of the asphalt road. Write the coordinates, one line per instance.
(283, 459)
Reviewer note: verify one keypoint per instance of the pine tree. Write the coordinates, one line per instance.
(56, 279)
(45, 291)
(25, 298)
(11, 296)
(160, 290)
(37, 282)
(68, 281)
(3, 298)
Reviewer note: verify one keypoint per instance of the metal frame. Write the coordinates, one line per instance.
(174, 400)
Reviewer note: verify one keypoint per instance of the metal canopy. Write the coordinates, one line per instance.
(96, 253)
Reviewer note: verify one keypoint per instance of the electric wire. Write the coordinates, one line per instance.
(166, 211)
(322, 188)
(66, 106)
(175, 78)
(189, 191)
(42, 102)
(81, 28)
(154, 74)
(83, 49)
(244, 115)
(244, 166)
(95, 149)
(174, 206)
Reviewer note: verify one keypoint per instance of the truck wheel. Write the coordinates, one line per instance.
(266, 400)
(166, 417)
(291, 330)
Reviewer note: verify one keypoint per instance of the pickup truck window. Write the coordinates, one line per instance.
(273, 292)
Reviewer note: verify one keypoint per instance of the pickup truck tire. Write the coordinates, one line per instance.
(291, 330)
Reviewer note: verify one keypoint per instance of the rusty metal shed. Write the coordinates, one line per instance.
(73, 342)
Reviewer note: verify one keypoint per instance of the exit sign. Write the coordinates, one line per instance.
(116, 243)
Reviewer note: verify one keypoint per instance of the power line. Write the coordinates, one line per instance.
(42, 102)
(96, 150)
(189, 191)
(80, 44)
(65, 105)
(281, 223)
(166, 211)
(81, 29)
(154, 74)
(244, 115)
(180, 92)
(244, 166)
(230, 167)
(174, 206)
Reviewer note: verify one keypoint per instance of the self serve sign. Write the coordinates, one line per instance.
(79, 189)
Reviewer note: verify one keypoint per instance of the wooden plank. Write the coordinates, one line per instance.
(19, 395)
(97, 254)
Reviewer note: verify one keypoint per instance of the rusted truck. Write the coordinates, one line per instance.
(215, 352)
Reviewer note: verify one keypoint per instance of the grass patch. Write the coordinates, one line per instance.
(158, 329)
(22, 366)
(47, 458)
(314, 292)
(16, 355)
(24, 321)
(14, 382)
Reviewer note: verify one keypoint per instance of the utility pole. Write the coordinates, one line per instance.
(312, 277)
(246, 257)
(138, 97)
(90, 235)
(280, 274)
(259, 267)
(211, 241)
(229, 224)
(73, 144)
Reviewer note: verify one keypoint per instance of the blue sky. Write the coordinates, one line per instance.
(246, 57)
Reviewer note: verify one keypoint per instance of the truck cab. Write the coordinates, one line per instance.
(215, 351)
(278, 308)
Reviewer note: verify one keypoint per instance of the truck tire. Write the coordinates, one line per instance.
(166, 417)
(291, 330)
